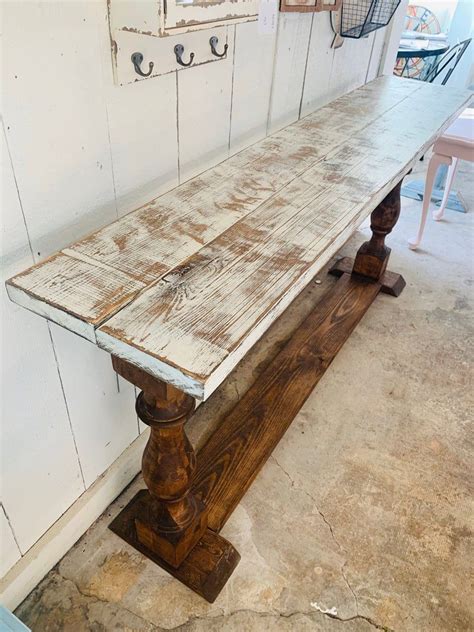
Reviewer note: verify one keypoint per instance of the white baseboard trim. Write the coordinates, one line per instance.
(66, 531)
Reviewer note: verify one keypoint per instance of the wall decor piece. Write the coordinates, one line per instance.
(160, 18)
(154, 30)
(335, 19)
(360, 17)
(137, 57)
(307, 6)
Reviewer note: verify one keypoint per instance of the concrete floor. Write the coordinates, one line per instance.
(361, 519)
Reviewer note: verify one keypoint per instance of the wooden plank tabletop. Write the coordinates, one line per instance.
(185, 285)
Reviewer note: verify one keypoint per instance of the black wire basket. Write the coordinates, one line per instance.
(360, 17)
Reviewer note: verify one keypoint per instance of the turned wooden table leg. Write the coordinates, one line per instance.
(167, 522)
(372, 257)
(175, 519)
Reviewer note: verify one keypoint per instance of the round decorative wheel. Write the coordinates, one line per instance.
(422, 20)
(412, 67)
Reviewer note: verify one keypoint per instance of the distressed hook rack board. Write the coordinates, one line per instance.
(160, 51)
(180, 289)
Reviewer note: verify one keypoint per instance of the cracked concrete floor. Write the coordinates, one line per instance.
(361, 519)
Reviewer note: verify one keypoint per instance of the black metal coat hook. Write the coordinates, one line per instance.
(178, 51)
(137, 59)
(213, 42)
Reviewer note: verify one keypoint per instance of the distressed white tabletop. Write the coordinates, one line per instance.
(186, 284)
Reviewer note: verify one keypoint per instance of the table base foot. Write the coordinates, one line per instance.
(206, 568)
(391, 282)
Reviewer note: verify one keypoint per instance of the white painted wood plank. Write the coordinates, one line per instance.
(101, 405)
(142, 16)
(45, 310)
(140, 243)
(160, 51)
(9, 551)
(40, 471)
(373, 69)
(13, 235)
(251, 90)
(289, 69)
(55, 117)
(204, 98)
(142, 122)
(78, 290)
(319, 66)
(349, 67)
(205, 312)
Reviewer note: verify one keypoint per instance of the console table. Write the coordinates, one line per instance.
(179, 290)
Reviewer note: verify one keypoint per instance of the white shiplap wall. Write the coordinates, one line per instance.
(77, 152)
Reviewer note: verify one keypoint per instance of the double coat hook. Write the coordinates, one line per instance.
(213, 42)
(137, 60)
(178, 51)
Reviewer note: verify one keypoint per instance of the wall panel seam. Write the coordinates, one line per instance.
(275, 52)
(177, 129)
(48, 324)
(7, 145)
(306, 65)
(111, 159)
(7, 518)
(232, 89)
(374, 37)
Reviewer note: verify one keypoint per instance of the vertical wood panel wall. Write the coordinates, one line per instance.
(77, 152)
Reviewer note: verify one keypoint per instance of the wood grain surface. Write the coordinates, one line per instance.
(232, 457)
(185, 285)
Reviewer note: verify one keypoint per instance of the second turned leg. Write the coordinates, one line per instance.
(372, 257)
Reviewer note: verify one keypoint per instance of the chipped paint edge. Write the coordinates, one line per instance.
(151, 365)
(53, 314)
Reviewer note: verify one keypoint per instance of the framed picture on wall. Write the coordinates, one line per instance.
(306, 6)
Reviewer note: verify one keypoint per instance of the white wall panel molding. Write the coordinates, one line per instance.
(289, 70)
(142, 123)
(253, 73)
(319, 65)
(101, 407)
(204, 101)
(54, 111)
(40, 473)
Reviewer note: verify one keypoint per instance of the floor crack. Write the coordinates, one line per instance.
(104, 601)
(343, 551)
(282, 615)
